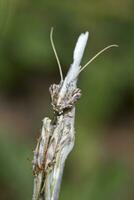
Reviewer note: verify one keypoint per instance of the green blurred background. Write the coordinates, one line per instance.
(101, 165)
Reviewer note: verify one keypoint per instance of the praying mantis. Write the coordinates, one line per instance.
(58, 135)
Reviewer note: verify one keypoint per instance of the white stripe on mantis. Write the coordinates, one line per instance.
(79, 48)
(75, 66)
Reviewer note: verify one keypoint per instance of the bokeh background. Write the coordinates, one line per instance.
(101, 165)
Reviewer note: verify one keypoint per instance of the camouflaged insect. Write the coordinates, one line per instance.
(57, 135)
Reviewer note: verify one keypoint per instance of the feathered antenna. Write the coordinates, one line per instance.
(94, 57)
(55, 53)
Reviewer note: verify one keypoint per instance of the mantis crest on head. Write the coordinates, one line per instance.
(58, 135)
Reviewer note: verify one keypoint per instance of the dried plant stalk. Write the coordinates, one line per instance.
(58, 135)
